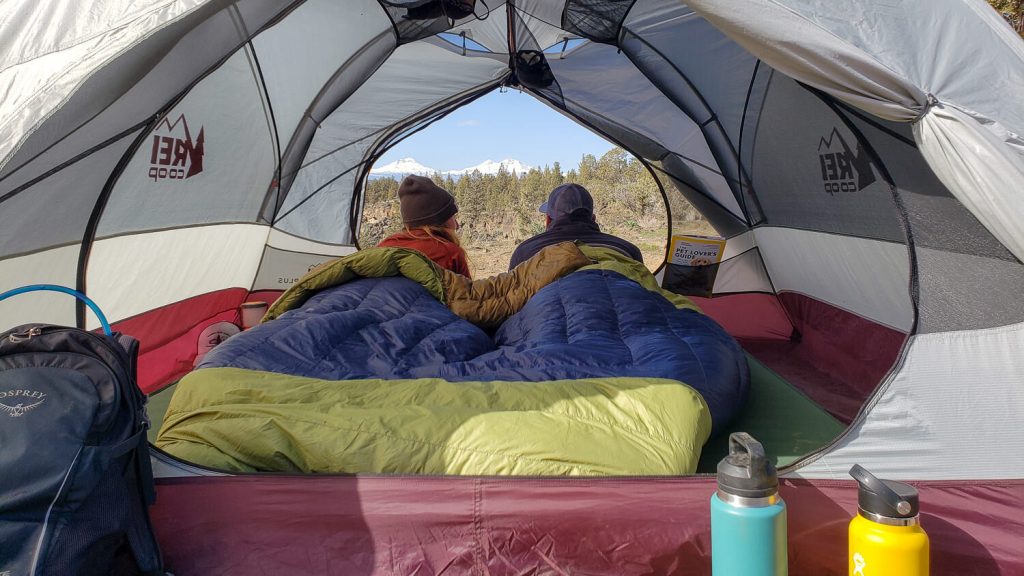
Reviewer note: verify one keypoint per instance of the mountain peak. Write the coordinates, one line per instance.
(403, 167)
(491, 167)
(406, 166)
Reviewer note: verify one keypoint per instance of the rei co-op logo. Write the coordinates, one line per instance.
(175, 154)
(841, 169)
(17, 403)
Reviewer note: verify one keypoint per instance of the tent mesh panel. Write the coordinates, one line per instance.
(966, 279)
(417, 19)
(938, 219)
(597, 20)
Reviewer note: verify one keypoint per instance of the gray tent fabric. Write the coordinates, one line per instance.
(403, 87)
(866, 155)
(832, 55)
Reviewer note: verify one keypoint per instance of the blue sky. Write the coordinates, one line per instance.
(500, 125)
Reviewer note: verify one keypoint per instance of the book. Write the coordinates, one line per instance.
(693, 265)
(696, 250)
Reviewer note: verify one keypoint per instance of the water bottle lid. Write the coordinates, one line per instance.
(886, 498)
(746, 471)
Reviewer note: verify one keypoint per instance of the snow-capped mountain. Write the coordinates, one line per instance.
(491, 167)
(406, 166)
(402, 167)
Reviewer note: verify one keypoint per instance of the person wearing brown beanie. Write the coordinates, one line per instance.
(428, 214)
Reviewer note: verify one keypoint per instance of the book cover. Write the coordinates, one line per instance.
(693, 264)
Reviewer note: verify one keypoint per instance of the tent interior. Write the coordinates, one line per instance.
(224, 155)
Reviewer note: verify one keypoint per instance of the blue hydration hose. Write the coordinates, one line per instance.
(55, 288)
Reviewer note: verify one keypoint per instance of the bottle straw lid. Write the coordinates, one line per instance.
(886, 498)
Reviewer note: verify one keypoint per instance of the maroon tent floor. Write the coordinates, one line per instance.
(350, 526)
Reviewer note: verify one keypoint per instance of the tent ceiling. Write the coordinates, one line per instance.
(542, 22)
(680, 43)
(603, 81)
(416, 78)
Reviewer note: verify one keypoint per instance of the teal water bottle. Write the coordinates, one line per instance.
(748, 519)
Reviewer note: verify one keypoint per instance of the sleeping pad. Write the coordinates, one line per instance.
(597, 372)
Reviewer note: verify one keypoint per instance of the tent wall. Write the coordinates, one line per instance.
(966, 278)
(921, 78)
(348, 77)
(169, 335)
(64, 202)
(79, 91)
(87, 56)
(967, 292)
(165, 287)
(146, 68)
(866, 277)
(653, 38)
(208, 160)
(680, 42)
(742, 268)
(135, 273)
(53, 266)
(951, 411)
(810, 171)
(317, 205)
(41, 232)
(492, 33)
(384, 525)
(346, 53)
(934, 55)
(282, 266)
(323, 36)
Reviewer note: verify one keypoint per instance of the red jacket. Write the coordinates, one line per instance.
(445, 254)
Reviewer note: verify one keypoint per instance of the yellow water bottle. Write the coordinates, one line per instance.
(886, 538)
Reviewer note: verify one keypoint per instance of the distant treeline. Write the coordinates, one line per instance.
(504, 205)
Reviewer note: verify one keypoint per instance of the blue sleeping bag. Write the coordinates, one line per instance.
(591, 323)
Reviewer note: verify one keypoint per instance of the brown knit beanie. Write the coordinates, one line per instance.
(424, 203)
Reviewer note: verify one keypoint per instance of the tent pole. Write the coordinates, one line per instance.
(97, 211)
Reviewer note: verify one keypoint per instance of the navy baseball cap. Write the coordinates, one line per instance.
(566, 200)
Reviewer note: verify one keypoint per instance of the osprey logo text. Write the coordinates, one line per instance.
(16, 403)
(174, 154)
(841, 169)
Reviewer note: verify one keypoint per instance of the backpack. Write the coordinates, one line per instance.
(76, 477)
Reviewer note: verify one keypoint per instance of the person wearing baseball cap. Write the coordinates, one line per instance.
(428, 214)
(570, 217)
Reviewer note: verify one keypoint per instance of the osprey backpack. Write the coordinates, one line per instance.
(75, 480)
